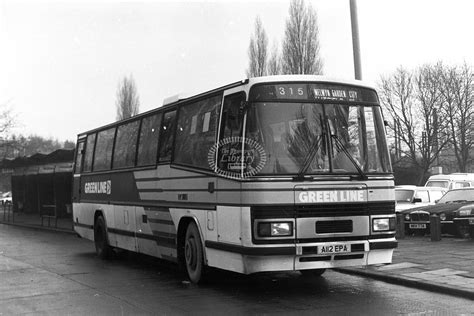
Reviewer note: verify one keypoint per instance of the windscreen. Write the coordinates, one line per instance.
(404, 195)
(457, 196)
(437, 183)
(314, 129)
(300, 129)
(318, 138)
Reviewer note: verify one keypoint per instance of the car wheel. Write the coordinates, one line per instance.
(462, 231)
(101, 241)
(471, 231)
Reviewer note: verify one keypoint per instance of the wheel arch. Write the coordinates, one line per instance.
(181, 235)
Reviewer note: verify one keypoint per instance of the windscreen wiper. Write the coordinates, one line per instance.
(309, 158)
(341, 147)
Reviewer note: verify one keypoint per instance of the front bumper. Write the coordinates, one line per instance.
(464, 221)
(304, 256)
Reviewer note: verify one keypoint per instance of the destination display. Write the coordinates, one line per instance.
(311, 91)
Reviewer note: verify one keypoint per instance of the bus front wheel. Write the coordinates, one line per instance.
(102, 246)
(193, 253)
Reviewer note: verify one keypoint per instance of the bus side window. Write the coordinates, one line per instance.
(103, 150)
(148, 142)
(126, 145)
(89, 152)
(196, 131)
(231, 124)
(79, 155)
(167, 136)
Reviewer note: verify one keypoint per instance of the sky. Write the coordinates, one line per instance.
(61, 61)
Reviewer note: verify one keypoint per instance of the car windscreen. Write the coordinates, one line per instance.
(403, 195)
(457, 196)
(437, 183)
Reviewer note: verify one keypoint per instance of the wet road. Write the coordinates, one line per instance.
(56, 273)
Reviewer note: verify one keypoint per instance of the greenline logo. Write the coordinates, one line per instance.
(100, 187)
(226, 158)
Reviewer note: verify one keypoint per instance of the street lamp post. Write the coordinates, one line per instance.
(355, 40)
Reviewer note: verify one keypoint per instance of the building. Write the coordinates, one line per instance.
(41, 184)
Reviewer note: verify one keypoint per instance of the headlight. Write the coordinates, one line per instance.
(442, 216)
(465, 212)
(407, 217)
(383, 224)
(275, 229)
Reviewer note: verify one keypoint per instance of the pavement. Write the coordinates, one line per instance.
(445, 266)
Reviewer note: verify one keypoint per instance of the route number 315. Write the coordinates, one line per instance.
(291, 91)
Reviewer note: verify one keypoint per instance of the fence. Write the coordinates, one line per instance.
(8, 214)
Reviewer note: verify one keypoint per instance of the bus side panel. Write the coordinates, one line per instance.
(230, 261)
(229, 225)
(146, 244)
(83, 214)
(124, 227)
(83, 220)
(156, 232)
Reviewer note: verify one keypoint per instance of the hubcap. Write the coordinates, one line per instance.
(190, 253)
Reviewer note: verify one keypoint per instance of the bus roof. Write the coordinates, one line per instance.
(250, 82)
(317, 78)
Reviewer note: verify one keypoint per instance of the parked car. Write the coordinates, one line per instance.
(6, 198)
(451, 181)
(410, 196)
(464, 217)
(417, 220)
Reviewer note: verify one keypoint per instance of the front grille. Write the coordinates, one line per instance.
(323, 210)
(326, 210)
(328, 227)
(419, 217)
(381, 208)
(328, 258)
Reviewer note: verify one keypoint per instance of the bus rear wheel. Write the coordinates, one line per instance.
(101, 242)
(193, 254)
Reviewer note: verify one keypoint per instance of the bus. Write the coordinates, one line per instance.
(279, 173)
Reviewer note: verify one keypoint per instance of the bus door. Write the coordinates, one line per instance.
(77, 170)
(228, 217)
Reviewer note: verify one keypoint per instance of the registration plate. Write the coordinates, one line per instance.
(334, 248)
(417, 226)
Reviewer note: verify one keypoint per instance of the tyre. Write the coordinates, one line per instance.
(471, 231)
(193, 254)
(313, 272)
(101, 241)
(462, 231)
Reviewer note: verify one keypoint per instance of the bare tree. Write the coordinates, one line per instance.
(274, 63)
(128, 101)
(301, 42)
(7, 123)
(414, 102)
(258, 51)
(458, 92)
